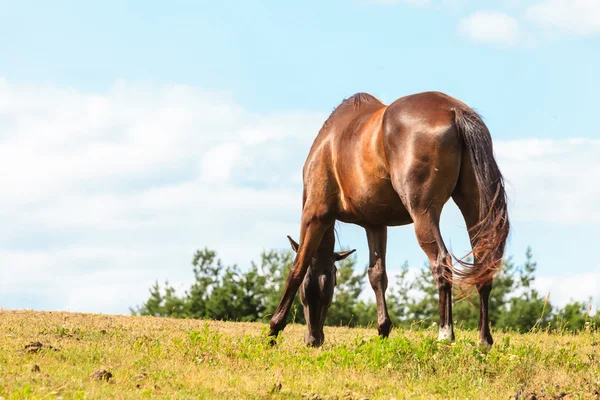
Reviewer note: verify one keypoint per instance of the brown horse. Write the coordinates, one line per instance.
(377, 166)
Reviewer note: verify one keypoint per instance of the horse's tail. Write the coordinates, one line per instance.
(492, 228)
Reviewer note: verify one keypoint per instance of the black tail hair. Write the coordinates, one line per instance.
(493, 227)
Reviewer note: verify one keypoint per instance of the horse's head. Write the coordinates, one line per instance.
(316, 291)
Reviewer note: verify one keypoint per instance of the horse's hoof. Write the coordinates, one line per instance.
(313, 341)
(272, 337)
(484, 345)
(271, 341)
(384, 328)
(446, 334)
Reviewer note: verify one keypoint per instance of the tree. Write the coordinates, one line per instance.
(206, 276)
(227, 292)
(349, 286)
(154, 306)
(224, 292)
(574, 316)
(159, 305)
(512, 304)
(425, 308)
(466, 310)
(527, 309)
(399, 299)
(275, 267)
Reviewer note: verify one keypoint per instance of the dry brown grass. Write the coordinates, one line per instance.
(168, 358)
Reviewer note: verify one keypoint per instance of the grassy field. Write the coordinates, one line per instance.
(167, 358)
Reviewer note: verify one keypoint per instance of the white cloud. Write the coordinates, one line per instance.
(577, 17)
(132, 181)
(552, 180)
(219, 162)
(104, 193)
(576, 287)
(491, 27)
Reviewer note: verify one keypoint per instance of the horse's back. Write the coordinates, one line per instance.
(428, 111)
(366, 150)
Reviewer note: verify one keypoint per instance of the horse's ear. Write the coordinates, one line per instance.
(294, 244)
(339, 256)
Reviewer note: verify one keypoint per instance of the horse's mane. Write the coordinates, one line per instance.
(358, 100)
(353, 103)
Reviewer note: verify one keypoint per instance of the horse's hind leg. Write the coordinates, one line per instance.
(377, 238)
(424, 168)
(466, 197)
(424, 193)
(430, 239)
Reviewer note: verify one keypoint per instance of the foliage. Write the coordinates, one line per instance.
(224, 292)
(349, 286)
(229, 293)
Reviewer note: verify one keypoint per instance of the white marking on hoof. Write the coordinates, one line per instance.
(484, 346)
(445, 333)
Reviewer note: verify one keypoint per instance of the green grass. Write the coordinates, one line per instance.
(168, 358)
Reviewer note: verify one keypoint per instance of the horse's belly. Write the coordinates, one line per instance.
(377, 204)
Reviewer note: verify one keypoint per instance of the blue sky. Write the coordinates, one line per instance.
(113, 116)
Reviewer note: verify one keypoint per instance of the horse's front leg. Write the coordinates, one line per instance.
(377, 238)
(312, 232)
